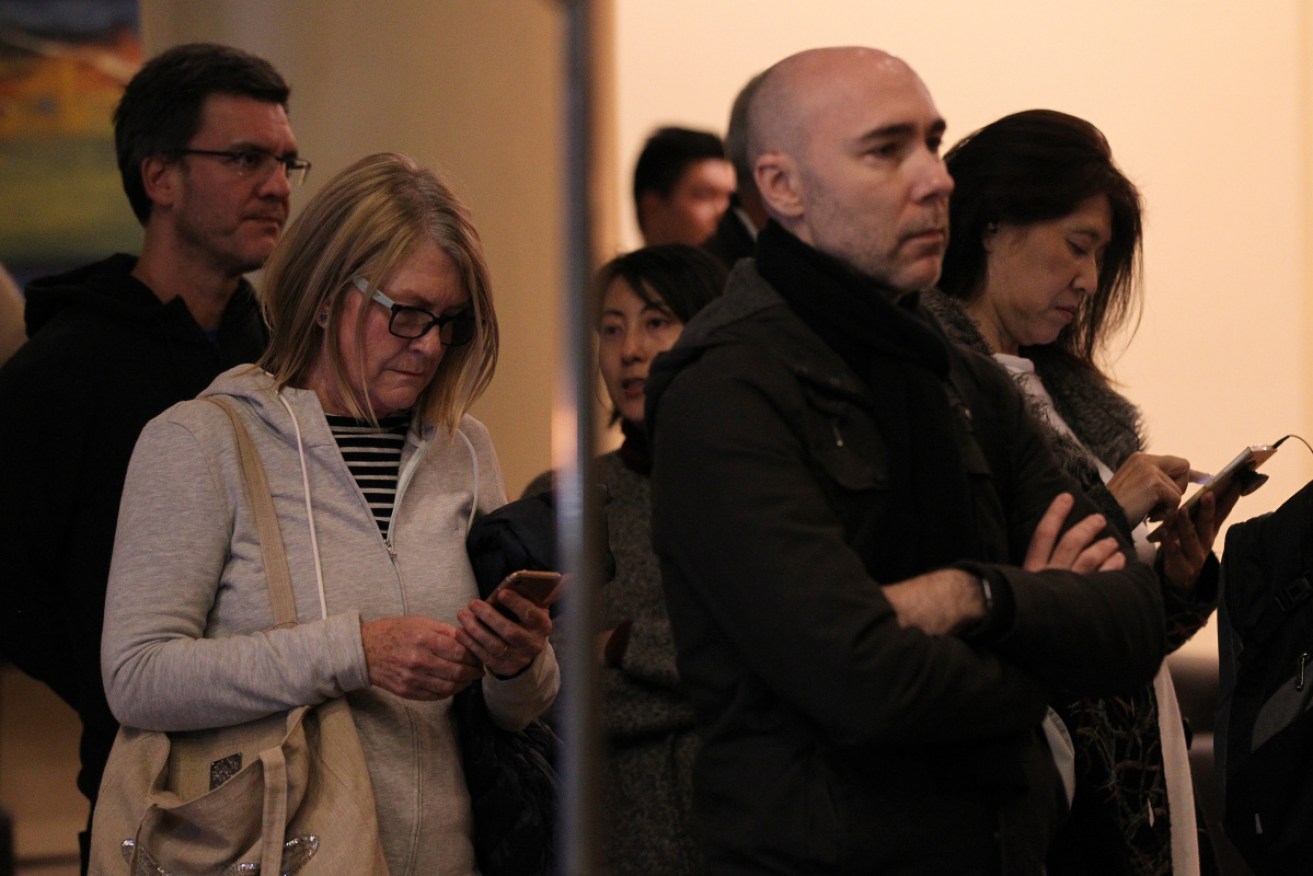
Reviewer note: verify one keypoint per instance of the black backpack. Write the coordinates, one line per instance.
(1264, 737)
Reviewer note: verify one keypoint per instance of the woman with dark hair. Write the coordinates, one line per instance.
(1041, 269)
(643, 300)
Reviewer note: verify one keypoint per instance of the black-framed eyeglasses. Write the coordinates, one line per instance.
(414, 322)
(257, 162)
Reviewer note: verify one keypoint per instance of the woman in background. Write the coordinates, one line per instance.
(1040, 271)
(643, 300)
(382, 334)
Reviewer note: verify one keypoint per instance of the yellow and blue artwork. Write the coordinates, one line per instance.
(63, 66)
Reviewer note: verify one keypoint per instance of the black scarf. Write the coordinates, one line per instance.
(905, 364)
(636, 452)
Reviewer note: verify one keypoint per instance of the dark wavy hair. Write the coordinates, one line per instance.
(1036, 166)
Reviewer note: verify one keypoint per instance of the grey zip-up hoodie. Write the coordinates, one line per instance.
(187, 643)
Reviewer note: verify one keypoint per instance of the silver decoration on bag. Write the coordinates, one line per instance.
(297, 852)
(224, 769)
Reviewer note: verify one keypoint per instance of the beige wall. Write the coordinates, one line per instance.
(1207, 104)
(468, 87)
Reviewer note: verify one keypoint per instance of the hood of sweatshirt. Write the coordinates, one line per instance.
(748, 297)
(105, 288)
(744, 296)
(255, 388)
(105, 292)
(105, 311)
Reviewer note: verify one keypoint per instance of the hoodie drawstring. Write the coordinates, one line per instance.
(309, 509)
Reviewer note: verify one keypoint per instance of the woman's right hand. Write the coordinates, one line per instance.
(417, 658)
(1148, 485)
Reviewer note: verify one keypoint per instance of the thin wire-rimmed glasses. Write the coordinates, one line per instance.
(259, 163)
(415, 322)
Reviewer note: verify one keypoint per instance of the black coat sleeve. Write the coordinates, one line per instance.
(764, 590)
(1087, 635)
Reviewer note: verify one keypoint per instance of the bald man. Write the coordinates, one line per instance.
(865, 545)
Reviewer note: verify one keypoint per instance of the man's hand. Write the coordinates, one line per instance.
(937, 603)
(1077, 549)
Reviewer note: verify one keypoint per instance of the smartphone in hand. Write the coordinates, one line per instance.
(540, 588)
(1240, 469)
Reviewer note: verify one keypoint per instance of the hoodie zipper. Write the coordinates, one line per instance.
(403, 481)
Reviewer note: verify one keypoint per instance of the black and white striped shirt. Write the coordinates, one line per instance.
(373, 454)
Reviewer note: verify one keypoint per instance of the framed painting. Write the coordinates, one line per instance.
(63, 66)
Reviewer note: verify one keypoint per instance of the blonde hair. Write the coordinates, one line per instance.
(367, 220)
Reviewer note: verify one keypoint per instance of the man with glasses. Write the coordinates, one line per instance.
(208, 162)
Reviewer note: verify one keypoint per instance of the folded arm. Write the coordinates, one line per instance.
(739, 516)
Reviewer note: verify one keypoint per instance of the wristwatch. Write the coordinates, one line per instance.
(986, 593)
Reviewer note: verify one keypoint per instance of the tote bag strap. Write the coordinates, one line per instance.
(255, 484)
(274, 816)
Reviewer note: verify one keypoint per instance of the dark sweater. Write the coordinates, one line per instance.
(647, 784)
(104, 357)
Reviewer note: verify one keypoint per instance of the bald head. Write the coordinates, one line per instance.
(844, 145)
(792, 92)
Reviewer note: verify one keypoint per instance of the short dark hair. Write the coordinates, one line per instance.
(676, 277)
(1036, 166)
(161, 107)
(666, 155)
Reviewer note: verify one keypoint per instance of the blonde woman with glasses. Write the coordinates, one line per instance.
(382, 335)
